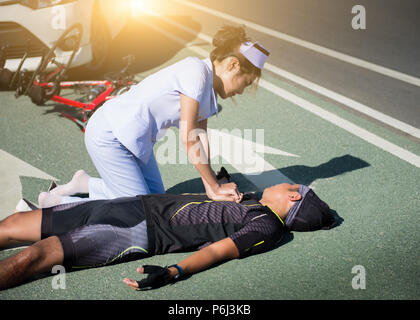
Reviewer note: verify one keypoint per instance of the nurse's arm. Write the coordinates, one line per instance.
(190, 130)
(206, 145)
(202, 125)
(190, 136)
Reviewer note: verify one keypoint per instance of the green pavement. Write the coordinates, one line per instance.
(374, 193)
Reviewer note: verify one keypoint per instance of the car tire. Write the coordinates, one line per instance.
(5, 78)
(100, 43)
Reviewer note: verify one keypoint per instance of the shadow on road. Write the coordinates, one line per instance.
(300, 174)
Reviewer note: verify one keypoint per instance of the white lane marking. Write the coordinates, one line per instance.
(10, 170)
(332, 118)
(311, 46)
(397, 124)
(344, 124)
(377, 115)
(246, 158)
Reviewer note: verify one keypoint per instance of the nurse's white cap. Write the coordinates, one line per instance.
(255, 53)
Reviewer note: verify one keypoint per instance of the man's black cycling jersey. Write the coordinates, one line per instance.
(189, 222)
(101, 231)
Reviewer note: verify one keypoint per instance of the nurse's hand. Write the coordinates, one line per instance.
(225, 192)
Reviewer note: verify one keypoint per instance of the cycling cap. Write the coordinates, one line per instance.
(310, 213)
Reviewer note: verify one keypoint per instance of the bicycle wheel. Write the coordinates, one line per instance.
(38, 93)
(5, 78)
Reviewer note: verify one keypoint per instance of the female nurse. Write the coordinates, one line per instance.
(121, 134)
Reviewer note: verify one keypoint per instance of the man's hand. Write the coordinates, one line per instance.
(222, 180)
(223, 176)
(157, 277)
(200, 260)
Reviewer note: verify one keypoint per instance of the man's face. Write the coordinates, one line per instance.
(284, 195)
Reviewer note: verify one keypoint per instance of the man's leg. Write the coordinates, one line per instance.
(21, 227)
(40, 257)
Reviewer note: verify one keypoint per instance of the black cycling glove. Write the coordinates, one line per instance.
(157, 277)
(223, 174)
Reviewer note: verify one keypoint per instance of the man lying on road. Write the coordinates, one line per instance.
(100, 232)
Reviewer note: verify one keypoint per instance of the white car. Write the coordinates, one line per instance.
(35, 25)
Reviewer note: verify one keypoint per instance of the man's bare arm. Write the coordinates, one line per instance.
(200, 260)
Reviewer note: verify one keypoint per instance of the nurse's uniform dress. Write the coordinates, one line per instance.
(121, 134)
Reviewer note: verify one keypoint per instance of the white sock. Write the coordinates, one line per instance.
(78, 184)
(46, 200)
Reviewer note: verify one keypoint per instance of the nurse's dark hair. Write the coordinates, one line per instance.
(227, 42)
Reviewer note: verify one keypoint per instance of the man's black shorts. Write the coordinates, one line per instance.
(99, 232)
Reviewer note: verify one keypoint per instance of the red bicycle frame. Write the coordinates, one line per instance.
(86, 108)
(42, 86)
